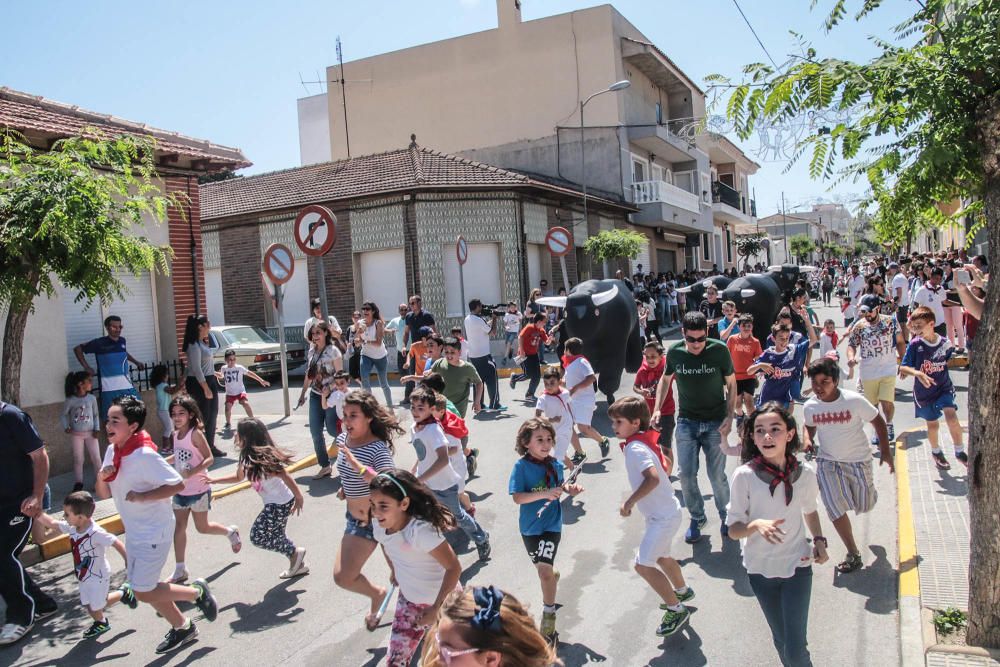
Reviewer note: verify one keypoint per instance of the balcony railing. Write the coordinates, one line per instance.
(649, 192)
(724, 194)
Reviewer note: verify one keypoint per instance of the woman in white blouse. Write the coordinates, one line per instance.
(772, 502)
(374, 356)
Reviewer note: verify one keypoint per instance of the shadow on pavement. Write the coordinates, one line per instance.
(573, 512)
(377, 655)
(471, 571)
(574, 655)
(319, 488)
(724, 564)
(681, 651)
(84, 652)
(192, 657)
(877, 582)
(277, 607)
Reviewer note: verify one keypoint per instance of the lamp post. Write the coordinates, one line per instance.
(616, 86)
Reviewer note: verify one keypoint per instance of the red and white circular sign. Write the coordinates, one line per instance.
(315, 230)
(559, 241)
(278, 263)
(462, 250)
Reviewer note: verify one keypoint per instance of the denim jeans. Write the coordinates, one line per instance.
(487, 370)
(690, 437)
(469, 526)
(318, 418)
(380, 366)
(785, 603)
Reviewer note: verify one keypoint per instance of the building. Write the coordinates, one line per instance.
(732, 204)
(526, 96)
(780, 227)
(399, 214)
(157, 304)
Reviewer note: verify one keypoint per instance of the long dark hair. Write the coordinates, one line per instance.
(384, 424)
(185, 401)
(191, 329)
(424, 504)
(73, 380)
(259, 456)
(750, 450)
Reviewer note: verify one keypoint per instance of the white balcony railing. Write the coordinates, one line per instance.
(649, 192)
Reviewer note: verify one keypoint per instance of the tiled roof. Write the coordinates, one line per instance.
(34, 114)
(406, 169)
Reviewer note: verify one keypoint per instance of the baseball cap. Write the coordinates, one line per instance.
(893, 265)
(869, 302)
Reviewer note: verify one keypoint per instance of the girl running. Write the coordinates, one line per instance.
(262, 463)
(82, 421)
(191, 459)
(365, 449)
(410, 524)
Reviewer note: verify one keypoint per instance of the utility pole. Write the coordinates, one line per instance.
(784, 226)
(343, 95)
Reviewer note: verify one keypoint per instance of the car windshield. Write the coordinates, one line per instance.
(246, 336)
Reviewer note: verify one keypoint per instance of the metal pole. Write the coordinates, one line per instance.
(583, 171)
(784, 225)
(321, 284)
(565, 274)
(461, 285)
(343, 95)
(279, 298)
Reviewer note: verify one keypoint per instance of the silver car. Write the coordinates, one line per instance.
(255, 349)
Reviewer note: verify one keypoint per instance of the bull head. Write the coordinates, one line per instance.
(598, 299)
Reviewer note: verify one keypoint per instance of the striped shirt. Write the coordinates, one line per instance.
(375, 455)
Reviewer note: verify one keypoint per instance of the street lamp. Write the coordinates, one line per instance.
(615, 87)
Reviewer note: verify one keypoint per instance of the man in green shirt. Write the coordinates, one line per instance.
(458, 377)
(706, 393)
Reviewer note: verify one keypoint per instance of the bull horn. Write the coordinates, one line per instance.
(683, 290)
(602, 298)
(706, 283)
(807, 268)
(774, 267)
(553, 301)
(747, 293)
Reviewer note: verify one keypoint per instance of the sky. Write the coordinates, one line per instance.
(231, 71)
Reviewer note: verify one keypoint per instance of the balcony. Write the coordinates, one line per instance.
(731, 206)
(663, 140)
(648, 192)
(666, 206)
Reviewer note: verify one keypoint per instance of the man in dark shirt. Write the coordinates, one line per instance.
(24, 469)
(416, 318)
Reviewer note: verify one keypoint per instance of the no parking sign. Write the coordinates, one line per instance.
(559, 241)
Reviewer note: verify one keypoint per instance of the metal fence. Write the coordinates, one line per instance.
(140, 377)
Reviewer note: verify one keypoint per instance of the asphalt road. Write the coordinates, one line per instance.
(608, 614)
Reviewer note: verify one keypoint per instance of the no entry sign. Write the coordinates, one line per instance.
(559, 241)
(315, 230)
(278, 263)
(462, 250)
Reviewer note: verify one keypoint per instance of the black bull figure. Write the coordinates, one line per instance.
(603, 314)
(759, 294)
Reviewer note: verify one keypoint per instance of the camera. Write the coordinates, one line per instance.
(493, 310)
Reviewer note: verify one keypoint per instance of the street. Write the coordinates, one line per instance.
(608, 614)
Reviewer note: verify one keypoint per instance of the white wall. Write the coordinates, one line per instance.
(213, 297)
(43, 365)
(482, 277)
(314, 130)
(383, 279)
(296, 294)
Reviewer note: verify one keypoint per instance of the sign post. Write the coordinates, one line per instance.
(279, 267)
(462, 253)
(559, 242)
(315, 233)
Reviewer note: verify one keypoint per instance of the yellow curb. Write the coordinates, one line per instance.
(909, 580)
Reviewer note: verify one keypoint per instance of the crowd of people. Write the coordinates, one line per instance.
(686, 400)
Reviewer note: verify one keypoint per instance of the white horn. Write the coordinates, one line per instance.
(807, 268)
(683, 290)
(774, 267)
(602, 298)
(553, 301)
(747, 293)
(706, 283)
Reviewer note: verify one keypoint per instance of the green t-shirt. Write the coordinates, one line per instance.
(457, 380)
(701, 379)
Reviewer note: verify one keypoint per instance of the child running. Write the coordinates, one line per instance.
(646, 380)
(828, 339)
(410, 524)
(232, 375)
(191, 460)
(435, 382)
(82, 421)
(536, 482)
(553, 405)
(580, 378)
(744, 348)
(164, 391)
(781, 364)
(455, 430)
(511, 327)
(262, 463)
(90, 562)
(648, 476)
(926, 359)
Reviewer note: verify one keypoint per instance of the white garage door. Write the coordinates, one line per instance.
(534, 265)
(82, 324)
(482, 276)
(383, 280)
(297, 295)
(213, 297)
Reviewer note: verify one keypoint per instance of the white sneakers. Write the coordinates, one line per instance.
(11, 633)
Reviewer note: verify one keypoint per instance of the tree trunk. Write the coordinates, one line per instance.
(13, 345)
(984, 419)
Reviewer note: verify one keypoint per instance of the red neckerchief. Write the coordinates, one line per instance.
(567, 359)
(777, 475)
(137, 441)
(454, 425)
(549, 463)
(426, 422)
(649, 438)
(558, 395)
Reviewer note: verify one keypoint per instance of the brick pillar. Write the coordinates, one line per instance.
(182, 222)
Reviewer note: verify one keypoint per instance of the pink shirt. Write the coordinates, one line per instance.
(186, 457)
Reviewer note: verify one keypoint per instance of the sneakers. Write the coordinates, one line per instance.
(693, 533)
(325, 471)
(513, 381)
(499, 408)
(217, 453)
(484, 549)
(178, 637)
(874, 439)
(892, 432)
(963, 457)
(941, 462)
(672, 621)
(180, 576)
(234, 539)
(227, 427)
(605, 447)
(683, 599)
(78, 486)
(45, 608)
(579, 458)
(11, 633)
(128, 597)
(548, 627)
(98, 628)
(724, 529)
(471, 463)
(205, 600)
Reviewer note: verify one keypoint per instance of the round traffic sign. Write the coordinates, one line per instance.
(315, 230)
(278, 263)
(462, 250)
(559, 241)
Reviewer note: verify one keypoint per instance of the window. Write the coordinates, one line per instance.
(640, 169)
(706, 247)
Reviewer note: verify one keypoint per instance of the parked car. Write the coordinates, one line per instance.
(255, 349)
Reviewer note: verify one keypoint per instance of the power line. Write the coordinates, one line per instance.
(755, 33)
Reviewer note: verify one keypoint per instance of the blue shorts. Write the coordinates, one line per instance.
(933, 411)
(358, 529)
(510, 337)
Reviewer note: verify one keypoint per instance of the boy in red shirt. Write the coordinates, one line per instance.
(645, 385)
(744, 348)
(532, 337)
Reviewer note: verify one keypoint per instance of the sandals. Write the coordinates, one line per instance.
(234, 539)
(850, 564)
(372, 618)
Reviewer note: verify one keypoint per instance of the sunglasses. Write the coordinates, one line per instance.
(699, 339)
(448, 654)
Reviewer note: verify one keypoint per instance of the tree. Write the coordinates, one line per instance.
(801, 246)
(66, 216)
(749, 246)
(922, 126)
(614, 244)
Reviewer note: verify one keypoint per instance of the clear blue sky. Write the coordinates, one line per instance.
(229, 71)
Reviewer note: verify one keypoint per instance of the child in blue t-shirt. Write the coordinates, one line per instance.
(926, 359)
(536, 482)
(781, 365)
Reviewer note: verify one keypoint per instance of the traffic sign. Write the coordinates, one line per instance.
(462, 250)
(315, 230)
(558, 241)
(278, 263)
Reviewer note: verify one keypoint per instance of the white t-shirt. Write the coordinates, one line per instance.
(933, 299)
(855, 286)
(336, 400)
(369, 347)
(750, 498)
(143, 470)
(233, 377)
(477, 335)
(840, 433)
(575, 373)
(557, 405)
(512, 322)
(330, 319)
(826, 344)
(273, 490)
(899, 282)
(90, 558)
(417, 571)
(426, 441)
(876, 346)
(660, 503)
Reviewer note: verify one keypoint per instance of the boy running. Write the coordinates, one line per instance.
(781, 364)
(232, 375)
(646, 380)
(553, 405)
(580, 378)
(459, 376)
(744, 348)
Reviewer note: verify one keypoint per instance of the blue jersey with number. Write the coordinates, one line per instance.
(932, 360)
(526, 477)
(786, 366)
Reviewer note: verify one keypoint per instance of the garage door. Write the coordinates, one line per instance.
(383, 280)
(482, 276)
(213, 297)
(534, 266)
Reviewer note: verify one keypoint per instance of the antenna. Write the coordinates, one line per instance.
(343, 94)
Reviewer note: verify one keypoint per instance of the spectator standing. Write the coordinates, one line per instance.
(415, 319)
(200, 381)
(899, 294)
(316, 308)
(396, 327)
(477, 333)
(113, 359)
(373, 352)
(711, 307)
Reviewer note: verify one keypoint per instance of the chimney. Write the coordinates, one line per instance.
(508, 13)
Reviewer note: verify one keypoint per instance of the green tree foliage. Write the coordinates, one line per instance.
(801, 246)
(69, 215)
(614, 244)
(749, 246)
